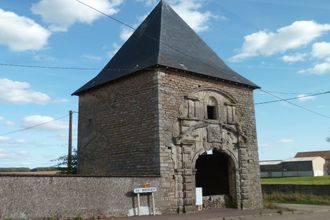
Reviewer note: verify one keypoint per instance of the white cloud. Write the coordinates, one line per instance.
(61, 14)
(286, 140)
(9, 123)
(12, 155)
(20, 93)
(6, 122)
(4, 139)
(321, 50)
(318, 69)
(4, 155)
(59, 101)
(43, 58)
(19, 141)
(190, 12)
(115, 49)
(149, 2)
(296, 35)
(49, 123)
(294, 57)
(304, 98)
(125, 33)
(264, 145)
(11, 141)
(92, 57)
(21, 33)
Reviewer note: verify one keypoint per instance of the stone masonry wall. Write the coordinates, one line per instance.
(118, 128)
(177, 166)
(68, 197)
(132, 127)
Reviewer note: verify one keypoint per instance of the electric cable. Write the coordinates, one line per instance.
(34, 126)
(298, 106)
(293, 98)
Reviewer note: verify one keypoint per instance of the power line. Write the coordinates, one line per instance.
(293, 98)
(301, 107)
(34, 126)
(63, 67)
(84, 68)
(143, 33)
(289, 93)
(105, 14)
(46, 67)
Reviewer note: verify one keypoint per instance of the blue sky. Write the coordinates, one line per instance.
(283, 46)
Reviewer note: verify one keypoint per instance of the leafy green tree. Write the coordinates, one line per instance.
(63, 163)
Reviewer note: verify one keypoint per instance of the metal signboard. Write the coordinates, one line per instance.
(145, 190)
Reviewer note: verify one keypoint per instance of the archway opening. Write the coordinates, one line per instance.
(215, 174)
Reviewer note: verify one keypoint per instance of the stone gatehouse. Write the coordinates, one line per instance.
(167, 107)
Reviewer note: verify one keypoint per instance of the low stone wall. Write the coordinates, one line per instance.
(318, 190)
(26, 197)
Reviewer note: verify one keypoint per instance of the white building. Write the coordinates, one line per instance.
(304, 166)
(301, 166)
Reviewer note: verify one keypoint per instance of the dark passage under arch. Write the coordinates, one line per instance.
(213, 173)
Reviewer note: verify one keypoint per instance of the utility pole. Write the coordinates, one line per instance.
(70, 143)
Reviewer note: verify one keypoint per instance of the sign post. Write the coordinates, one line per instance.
(199, 198)
(148, 190)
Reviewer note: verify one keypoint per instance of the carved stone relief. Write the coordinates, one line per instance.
(196, 132)
(195, 126)
(214, 133)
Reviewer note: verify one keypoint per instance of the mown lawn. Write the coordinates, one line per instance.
(320, 180)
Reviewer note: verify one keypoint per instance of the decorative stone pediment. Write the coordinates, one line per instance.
(208, 134)
(208, 118)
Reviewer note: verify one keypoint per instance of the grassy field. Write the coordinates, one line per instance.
(32, 173)
(295, 198)
(321, 180)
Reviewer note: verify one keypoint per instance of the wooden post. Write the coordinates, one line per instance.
(70, 143)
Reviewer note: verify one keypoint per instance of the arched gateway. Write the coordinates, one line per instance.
(215, 174)
(210, 138)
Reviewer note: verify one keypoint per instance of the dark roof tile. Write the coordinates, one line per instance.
(164, 39)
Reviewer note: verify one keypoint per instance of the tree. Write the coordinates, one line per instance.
(63, 163)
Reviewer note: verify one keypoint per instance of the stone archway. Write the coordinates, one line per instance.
(207, 121)
(215, 173)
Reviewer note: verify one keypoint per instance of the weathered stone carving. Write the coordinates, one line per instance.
(200, 129)
(214, 133)
(207, 121)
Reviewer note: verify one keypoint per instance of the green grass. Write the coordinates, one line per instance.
(295, 198)
(320, 180)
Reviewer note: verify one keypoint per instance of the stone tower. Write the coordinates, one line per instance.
(166, 107)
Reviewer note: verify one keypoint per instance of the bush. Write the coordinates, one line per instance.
(63, 163)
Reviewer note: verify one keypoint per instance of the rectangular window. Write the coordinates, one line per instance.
(211, 112)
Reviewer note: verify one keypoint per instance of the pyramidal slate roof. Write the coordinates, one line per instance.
(164, 39)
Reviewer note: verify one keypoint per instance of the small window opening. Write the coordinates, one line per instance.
(211, 112)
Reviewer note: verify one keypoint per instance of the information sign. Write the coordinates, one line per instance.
(145, 190)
